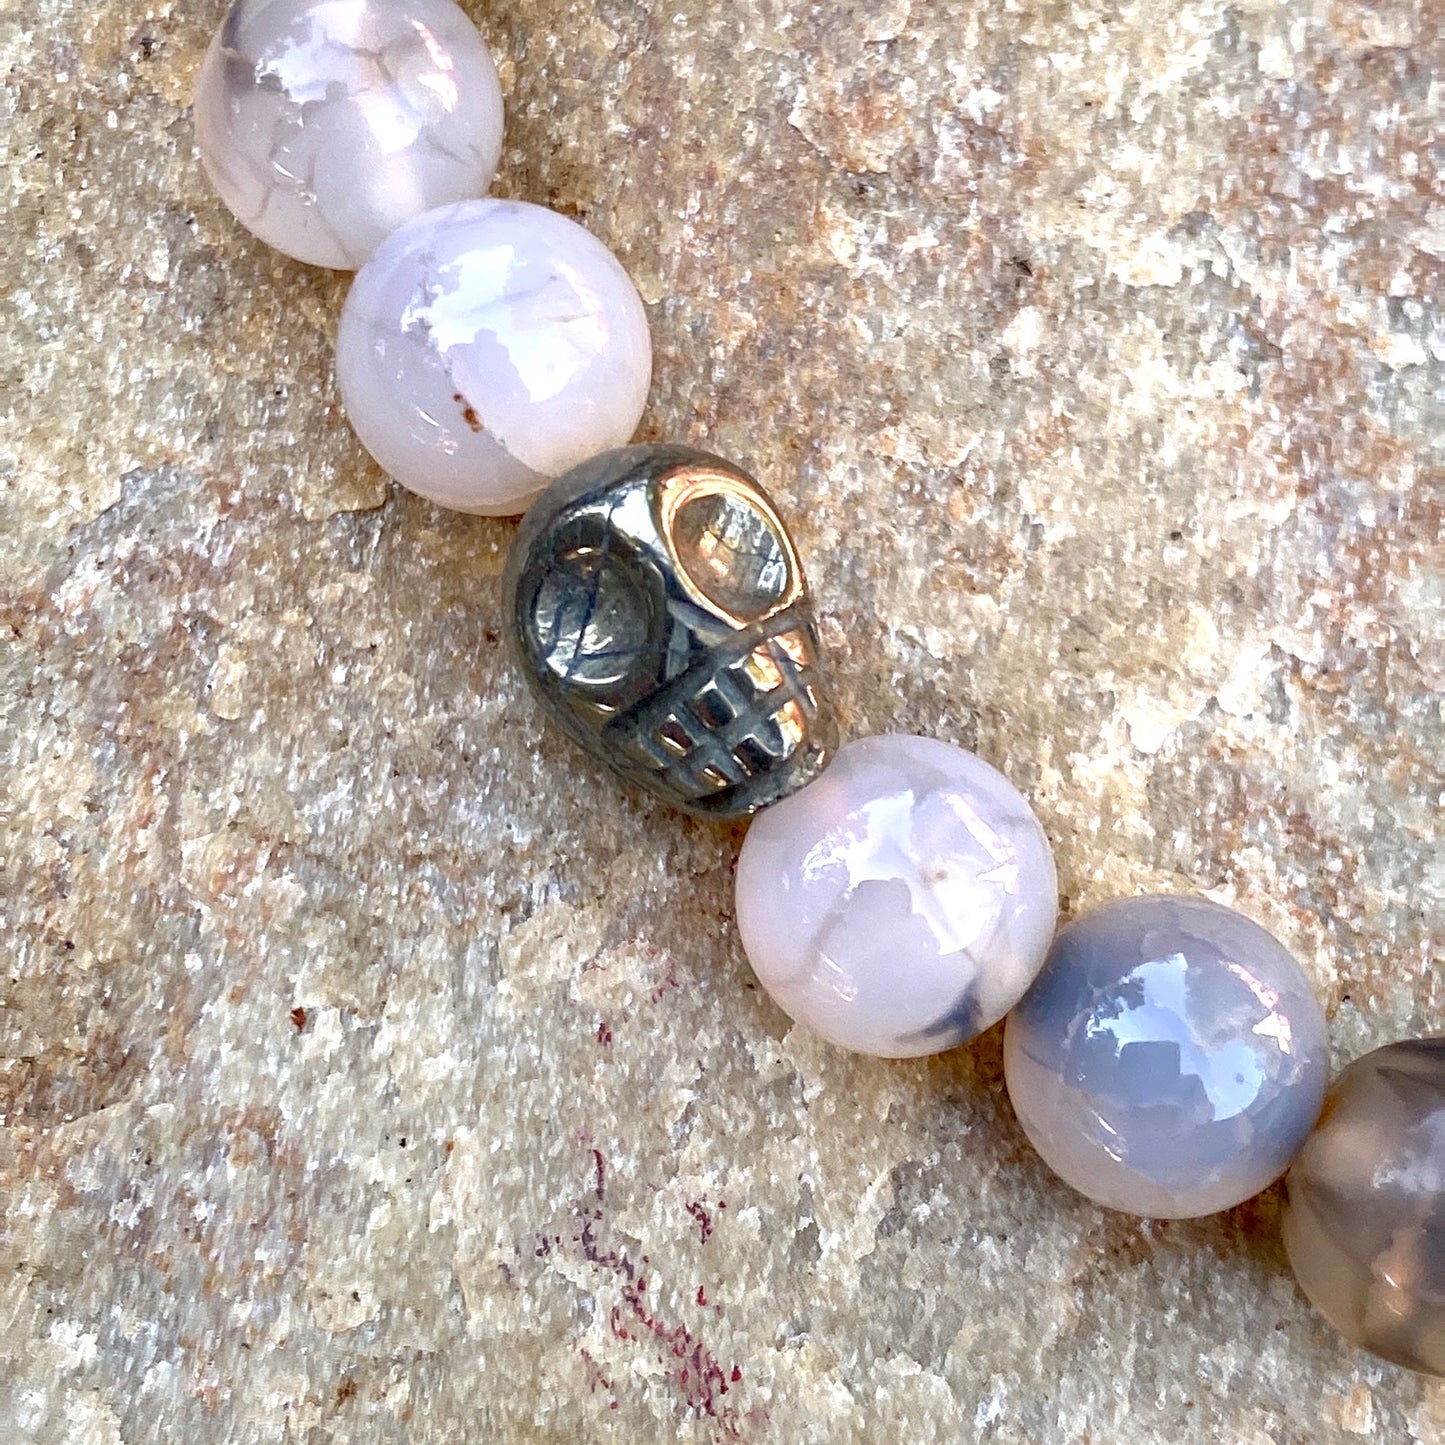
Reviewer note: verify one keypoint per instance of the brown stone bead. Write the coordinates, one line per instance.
(1365, 1219)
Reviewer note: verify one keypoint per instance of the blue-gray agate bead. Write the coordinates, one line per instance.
(1170, 1058)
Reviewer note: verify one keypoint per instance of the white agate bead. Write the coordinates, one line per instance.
(901, 902)
(326, 124)
(487, 348)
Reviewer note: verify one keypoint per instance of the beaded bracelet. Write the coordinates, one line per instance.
(896, 895)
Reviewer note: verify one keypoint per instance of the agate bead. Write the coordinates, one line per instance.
(326, 124)
(1170, 1059)
(901, 902)
(487, 348)
(1365, 1219)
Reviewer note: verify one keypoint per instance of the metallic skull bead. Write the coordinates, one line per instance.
(657, 606)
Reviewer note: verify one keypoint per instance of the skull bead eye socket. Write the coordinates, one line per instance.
(733, 552)
(592, 619)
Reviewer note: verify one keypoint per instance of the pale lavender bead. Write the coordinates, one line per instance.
(1365, 1218)
(326, 124)
(487, 348)
(1170, 1059)
(900, 903)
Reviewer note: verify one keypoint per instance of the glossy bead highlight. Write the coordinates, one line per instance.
(1170, 1059)
(1365, 1220)
(487, 348)
(901, 902)
(326, 124)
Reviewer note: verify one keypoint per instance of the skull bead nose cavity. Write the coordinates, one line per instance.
(656, 604)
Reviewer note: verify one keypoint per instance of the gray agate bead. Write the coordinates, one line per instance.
(1170, 1059)
(1365, 1220)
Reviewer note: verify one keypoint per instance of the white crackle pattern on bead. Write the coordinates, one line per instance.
(902, 902)
(326, 124)
(487, 348)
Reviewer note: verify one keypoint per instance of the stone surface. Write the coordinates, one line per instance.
(1364, 1219)
(1171, 1058)
(326, 124)
(656, 603)
(487, 348)
(1091, 352)
(902, 902)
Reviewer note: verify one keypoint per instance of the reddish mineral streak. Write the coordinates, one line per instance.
(298, 1017)
(701, 1378)
(703, 1216)
(670, 981)
(597, 1380)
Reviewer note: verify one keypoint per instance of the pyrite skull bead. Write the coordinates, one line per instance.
(657, 605)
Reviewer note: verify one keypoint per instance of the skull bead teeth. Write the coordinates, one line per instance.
(657, 606)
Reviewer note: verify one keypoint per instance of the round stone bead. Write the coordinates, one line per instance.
(487, 348)
(326, 124)
(1170, 1059)
(901, 902)
(1365, 1221)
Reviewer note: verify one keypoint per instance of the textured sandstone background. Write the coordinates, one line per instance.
(372, 1069)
